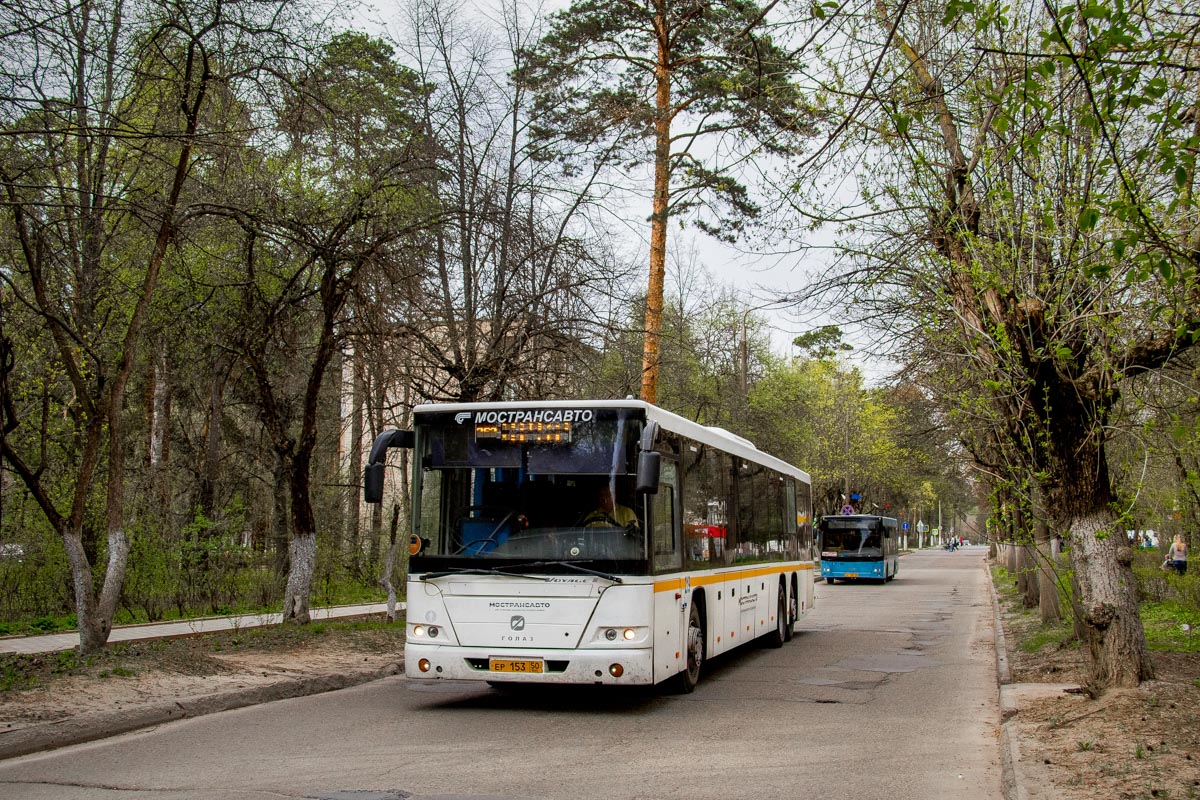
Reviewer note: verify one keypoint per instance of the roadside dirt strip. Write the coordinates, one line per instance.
(90, 727)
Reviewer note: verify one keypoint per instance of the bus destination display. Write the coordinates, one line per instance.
(525, 432)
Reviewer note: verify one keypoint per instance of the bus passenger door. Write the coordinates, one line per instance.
(666, 548)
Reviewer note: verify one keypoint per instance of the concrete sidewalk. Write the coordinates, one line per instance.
(66, 640)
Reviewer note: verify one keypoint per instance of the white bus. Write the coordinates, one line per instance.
(593, 542)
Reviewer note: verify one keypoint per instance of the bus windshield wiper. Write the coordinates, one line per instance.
(576, 567)
(477, 571)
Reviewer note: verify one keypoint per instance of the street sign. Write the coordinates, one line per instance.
(847, 510)
(903, 526)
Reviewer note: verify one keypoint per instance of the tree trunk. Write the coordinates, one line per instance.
(1111, 627)
(1027, 558)
(354, 468)
(303, 556)
(658, 218)
(209, 474)
(1047, 568)
(1023, 559)
(93, 632)
(281, 518)
(389, 562)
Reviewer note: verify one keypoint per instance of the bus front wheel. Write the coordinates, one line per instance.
(686, 681)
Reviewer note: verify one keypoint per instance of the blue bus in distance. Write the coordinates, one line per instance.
(858, 547)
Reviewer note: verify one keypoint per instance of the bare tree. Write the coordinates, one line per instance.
(515, 268)
(110, 109)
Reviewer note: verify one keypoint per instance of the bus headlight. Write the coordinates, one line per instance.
(433, 631)
(418, 631)
(631, 633)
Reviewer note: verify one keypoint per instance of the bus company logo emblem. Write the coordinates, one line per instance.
(462, 417)
(517, 623)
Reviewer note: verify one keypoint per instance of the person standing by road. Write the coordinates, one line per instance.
(1178, 554)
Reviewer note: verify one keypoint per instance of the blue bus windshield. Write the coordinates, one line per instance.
(843, 542)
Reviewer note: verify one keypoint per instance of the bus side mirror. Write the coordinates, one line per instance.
(373, 483)
(649, 463)
(373, 473)
(649, 434)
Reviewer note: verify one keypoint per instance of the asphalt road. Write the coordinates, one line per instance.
(887, 692)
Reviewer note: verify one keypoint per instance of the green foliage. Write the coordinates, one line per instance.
(1172, 626)
(118, 672)
(1044, 635)
(595, 72)
(822, 343)
(1005, 581)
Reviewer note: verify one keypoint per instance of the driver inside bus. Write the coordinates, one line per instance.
(609, 513)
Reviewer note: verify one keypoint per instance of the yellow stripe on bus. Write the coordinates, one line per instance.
(675, 584)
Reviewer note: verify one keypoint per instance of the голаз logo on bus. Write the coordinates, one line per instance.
(533, 415)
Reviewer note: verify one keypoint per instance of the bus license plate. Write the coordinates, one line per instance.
(510, 665)
(851, 574)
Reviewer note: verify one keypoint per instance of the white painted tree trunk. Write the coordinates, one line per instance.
(303, 553)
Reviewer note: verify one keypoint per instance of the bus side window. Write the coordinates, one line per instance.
(664, 540)
(791, 524)
(697, 535)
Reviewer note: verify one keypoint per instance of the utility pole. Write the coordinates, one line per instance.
(941, 533)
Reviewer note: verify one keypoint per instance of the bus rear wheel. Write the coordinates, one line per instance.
(793, 615)
(777, 637)
(685, 682)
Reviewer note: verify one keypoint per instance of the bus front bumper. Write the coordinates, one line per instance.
(850, 570)
(616, 667)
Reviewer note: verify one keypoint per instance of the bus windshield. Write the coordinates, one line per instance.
(506, 486)
(860, 540)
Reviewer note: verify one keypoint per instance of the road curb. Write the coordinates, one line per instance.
(1011, 782)
(91, 727)
(1020, 780)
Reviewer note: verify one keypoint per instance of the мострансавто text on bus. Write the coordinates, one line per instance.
(593, 542)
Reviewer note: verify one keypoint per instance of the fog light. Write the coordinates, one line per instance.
(610, 634)
(629, 634)
(433, 631)
(418, 631)
(616, 670)
(423, 665)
